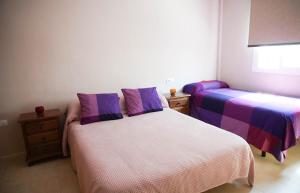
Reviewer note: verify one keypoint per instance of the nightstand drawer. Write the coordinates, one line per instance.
(45, 149)
(35, 127)
(179, 102)
(184, 110)
(43, 137)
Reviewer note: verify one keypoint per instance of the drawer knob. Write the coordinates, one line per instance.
(177, 104)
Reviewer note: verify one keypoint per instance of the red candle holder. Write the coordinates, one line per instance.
(39, 111)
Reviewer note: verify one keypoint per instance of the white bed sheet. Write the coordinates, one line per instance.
(161, 152)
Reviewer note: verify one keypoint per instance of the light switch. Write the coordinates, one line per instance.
(3, 123)
(169, 80)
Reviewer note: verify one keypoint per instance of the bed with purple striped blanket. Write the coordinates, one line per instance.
(269, 122)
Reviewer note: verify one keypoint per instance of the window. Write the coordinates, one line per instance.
(277, 59)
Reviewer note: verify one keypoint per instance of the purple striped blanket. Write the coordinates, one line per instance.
(269, 122)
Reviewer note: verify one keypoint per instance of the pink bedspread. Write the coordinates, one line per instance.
(161, 152)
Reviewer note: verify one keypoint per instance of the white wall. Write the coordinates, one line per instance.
(52, 49)
(236, 58)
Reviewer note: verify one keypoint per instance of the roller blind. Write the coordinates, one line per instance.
(274, 22)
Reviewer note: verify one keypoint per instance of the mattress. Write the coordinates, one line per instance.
(157, 152)
(269, 122)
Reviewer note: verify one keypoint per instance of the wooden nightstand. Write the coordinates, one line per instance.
(180, 102)
(42, 135)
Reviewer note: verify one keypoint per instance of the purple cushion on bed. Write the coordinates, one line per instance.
(99, 107)
(142, 100)
(204, 85)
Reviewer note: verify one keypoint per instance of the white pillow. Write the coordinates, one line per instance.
(122, 105)
(163, 100)
(73, 112)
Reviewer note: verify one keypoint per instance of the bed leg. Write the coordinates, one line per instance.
(263, 154)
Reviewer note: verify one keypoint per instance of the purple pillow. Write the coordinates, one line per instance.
(142, 100)
(193, 88)
(99, 107)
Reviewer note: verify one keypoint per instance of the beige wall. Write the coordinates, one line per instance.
(236, 58)
(52, 49)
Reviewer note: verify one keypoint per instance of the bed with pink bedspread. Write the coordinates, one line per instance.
(161, 152)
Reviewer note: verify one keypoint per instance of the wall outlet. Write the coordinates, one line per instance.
(3, 123)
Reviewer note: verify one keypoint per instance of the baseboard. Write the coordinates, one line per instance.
(12, 155)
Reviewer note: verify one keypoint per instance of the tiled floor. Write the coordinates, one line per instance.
(57, 176)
